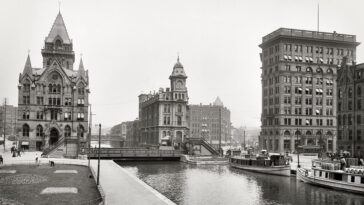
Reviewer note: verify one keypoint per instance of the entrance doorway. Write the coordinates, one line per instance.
(38, 145)
(53, 136)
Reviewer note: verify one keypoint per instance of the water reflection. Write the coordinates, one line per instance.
(191, 184)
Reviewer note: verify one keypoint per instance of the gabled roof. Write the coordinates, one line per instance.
(58, 29)
(81, 70)
(218, 102)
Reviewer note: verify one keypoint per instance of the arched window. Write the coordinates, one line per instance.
(308, 133)
(318, 133)
(297, 133)
(58, 44)
(67, 131)
(81, 131)
(286, 133)
(58, 88)
(25, 130)
(26, 86)
(350, 92)
(179, 120)
(50, 88)
(318, 70)
(54, 88)
(329, 70)
(358, 91)
(39, 131)
(81, 90)
(309, 70)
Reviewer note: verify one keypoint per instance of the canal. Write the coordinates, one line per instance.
(219, 184)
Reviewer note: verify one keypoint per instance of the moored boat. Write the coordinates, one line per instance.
(330, 174)
(275, 164)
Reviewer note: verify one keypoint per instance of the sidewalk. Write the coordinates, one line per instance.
(120, 187)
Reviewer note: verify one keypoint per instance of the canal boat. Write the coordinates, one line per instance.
(274, 164)
(329, 174)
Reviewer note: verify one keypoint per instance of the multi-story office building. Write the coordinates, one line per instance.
(211, 122)
(350, 108)
(9, 119)
(164, 114)
(53, 99)
(130, 133)
(299, 71)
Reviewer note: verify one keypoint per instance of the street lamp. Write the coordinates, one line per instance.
(298, 153)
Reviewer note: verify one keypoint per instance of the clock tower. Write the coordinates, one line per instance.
(178, 79)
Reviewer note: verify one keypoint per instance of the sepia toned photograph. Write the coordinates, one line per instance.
(193, 102)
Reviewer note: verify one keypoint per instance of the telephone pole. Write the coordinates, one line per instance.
(89, 136)
(4, 118)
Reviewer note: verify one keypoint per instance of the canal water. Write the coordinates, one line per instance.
(220, 184)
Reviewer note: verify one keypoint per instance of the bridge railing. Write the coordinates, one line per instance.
(120, 152)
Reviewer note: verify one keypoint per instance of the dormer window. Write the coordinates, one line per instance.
(58, 44)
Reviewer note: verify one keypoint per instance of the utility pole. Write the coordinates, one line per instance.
(89, 137)
(98, 162)
(4, 117)
(220, 124)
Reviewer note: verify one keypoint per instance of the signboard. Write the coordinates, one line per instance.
(24, 143)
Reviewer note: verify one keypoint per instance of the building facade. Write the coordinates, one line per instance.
(130, 133)
(8, 119)
(211, 122)
(163, 115)
(299, 70)
(53, 99)
(350, 109)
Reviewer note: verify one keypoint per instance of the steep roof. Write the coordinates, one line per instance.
(28, 67)
(218, 102)
(58, 29)
(81, 70)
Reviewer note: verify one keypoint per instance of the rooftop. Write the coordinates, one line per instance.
(297, 33)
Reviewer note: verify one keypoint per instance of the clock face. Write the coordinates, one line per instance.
(179, 84)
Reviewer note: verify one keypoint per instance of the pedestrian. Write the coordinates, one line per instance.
(36, 159)
(1, 159)
(18, 153)
(343, 163)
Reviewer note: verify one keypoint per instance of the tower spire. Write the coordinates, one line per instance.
(28, 66)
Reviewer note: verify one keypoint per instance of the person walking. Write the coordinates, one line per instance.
(1, 159)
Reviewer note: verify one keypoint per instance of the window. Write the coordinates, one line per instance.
(319, 122)
(350, 105)
(286, 79)
(298, 90)
(308, 101)
(308, 121)
(39, 115)
(298, 121)
(329, 111)
(359, 104)
(80, 116)
(297, 100)
(318, 101)
(39, 100)
(309, 70)
(298, 79)
(308, 80)
(287, 121)
(329, 101)
(287, 110)
(329, 92)
(308, 111)
(179, 120)
(26, 115)
(81, 101)
(288, 67)
(308, 91)
(298, 111)
(26, 100)
(67, 131)
(287, 100)
(179, 109)
(68, 101)
(39, 132)
(81, 90)
(67, 116)
(358, 90)
(25, 130)
(350, 93)
(287, 89)
(54, 114)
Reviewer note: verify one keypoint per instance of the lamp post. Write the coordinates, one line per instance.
(298, 153)
(98, 161)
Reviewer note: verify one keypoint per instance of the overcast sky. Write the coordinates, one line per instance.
(130, 47)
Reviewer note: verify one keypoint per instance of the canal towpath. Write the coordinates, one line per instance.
(119, 186)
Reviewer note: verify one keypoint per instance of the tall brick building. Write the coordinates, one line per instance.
(299, 70)
(53, 99)
(163, 115)
(211, 122)
(350, 108)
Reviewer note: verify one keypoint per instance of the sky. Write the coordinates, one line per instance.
(130, 46)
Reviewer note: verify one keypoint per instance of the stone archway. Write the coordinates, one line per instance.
(53, 136)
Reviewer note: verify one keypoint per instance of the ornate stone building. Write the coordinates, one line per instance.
(299, 71)
(163, 115)
(53, 99)
(350, 108)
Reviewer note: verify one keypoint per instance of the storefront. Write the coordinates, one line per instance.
(25, 145)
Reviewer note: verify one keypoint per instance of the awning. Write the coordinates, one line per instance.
(300, 58)
(307, 59)
(24, 143)
(300, 89)
(307, 89)
(285, 57)
(318, 90)
(311, 59)
(296, 58)
(166, 138)
(317, 111)
(321, 91)
(321, 60)
(289, 57)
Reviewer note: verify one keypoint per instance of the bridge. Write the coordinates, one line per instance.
(133, 154)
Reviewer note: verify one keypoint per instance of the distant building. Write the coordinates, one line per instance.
(299, 71)
(130, 133)
(10, 120)
(164, 114)
(350, 108)
(53, 99)
(211, 122)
